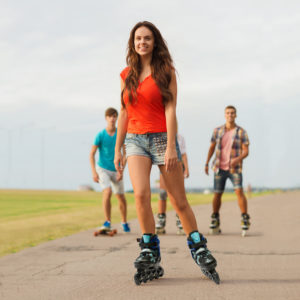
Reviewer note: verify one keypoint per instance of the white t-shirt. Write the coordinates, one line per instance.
(181, 143)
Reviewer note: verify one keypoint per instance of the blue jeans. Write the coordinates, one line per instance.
(152, 145)
(221, 177)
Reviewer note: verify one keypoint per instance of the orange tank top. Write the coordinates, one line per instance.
(147, 113)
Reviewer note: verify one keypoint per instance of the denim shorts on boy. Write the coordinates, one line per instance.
(221, 177)
(152, 145)
(109, 179)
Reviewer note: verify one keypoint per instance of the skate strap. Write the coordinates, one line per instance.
(146, 245)
(198, 245)
(147, 250)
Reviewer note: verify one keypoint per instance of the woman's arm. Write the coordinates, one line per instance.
(170, 112)
(122, 129)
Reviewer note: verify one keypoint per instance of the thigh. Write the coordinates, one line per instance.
(139, 171)
(219, 181)
(237, 180)
(104, 178)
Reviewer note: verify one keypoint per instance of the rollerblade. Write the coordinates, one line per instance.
(161, 224)
(214, 227)
(147, 264)
(179, 226)
(202, 256)
(245, 224)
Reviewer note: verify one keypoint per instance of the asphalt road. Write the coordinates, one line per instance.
(263, 265)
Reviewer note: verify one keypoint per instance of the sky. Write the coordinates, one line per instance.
(60, 64)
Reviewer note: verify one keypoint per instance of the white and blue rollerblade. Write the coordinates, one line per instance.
(161, 224)
(180, 230)
(214, 227)
(245, 224)
(202, 256)
(147, 264)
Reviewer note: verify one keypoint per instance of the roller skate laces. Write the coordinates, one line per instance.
(147, 263)
(202, 256)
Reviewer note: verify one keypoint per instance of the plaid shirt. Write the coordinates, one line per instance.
(239, 138)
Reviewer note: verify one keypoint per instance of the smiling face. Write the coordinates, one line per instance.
(230, 115)
(143, 41)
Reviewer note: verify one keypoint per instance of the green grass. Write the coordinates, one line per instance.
(30, 217)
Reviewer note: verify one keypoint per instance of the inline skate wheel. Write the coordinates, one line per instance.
(146, 276)
(212, 275)
(137, 279)
(160, 272)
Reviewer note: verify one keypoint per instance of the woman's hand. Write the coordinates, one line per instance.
(170, 158)
(186, 173)
(118, 161)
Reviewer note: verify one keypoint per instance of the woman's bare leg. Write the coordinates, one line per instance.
(139, 170)
(175, 185)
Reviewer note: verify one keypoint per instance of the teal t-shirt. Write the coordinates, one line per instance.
(106, 146)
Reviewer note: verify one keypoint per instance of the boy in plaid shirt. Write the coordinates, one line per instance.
(230, 143)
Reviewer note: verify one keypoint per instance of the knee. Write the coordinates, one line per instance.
(121, 198)
(141, 198)
(239, 192)
(181, 206)
(163, 195)
(107, 192)
(218, 196)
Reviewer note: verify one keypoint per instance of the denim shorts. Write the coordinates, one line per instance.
(152, 145)
(221, 177)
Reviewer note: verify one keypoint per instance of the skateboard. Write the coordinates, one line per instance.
(110, 232)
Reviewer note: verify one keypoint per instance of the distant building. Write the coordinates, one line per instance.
(85, 187)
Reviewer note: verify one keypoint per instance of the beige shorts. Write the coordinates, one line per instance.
(109, 179)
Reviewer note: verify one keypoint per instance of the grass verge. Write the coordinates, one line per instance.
(30, 217)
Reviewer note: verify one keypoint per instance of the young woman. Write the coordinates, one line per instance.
(148, 120)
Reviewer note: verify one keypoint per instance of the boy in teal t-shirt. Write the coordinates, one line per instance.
(105, 173)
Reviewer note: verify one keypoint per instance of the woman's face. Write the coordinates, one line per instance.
(143, 41)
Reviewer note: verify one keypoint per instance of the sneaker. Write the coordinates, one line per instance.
(126, 227)
(105, 226)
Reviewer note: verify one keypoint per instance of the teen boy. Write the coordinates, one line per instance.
(232, 146)
(105, 173)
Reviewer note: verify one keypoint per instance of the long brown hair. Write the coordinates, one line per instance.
(161, 64)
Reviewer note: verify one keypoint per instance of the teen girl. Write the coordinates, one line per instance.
(148, 121)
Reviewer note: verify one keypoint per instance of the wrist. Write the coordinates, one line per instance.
(171, 147)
